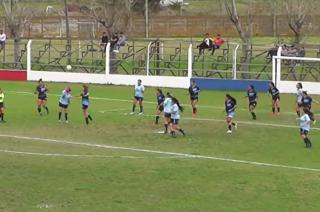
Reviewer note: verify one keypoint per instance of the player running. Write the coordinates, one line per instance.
(230, 105)
(275, 94)
(194, 96)
(175, 117)
(160, 100)
(138, 97)
(299, 98)
(41, 90)
(64, 102)
(305, 121)
(167, 105)
(1, 105)
(252, 98)
(85, 103)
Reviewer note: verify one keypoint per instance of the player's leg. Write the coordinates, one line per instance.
(44, 105)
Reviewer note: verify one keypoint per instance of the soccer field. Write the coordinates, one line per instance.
(121, 163)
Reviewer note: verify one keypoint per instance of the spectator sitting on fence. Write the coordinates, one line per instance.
(3, 39)
(206, 44)
(104, 41)
(113, 41)
(121, 42)
(217, 42)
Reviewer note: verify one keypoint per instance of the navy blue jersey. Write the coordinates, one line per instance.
(252, 96)
(85, 97)
(274, 92)
(41, 90)
(306, 101)
(230, 105)
(160, 99)
(194, 91)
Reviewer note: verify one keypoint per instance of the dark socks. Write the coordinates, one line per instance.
(253, 115)
(87, 120)
(90, 117)
(233, 124)
(141, 109)
(39, 109)
(165, 128)
(307, 142)
(2, 116)
(298, 113)
(47, 109)
(194, 110)
(60, 115)
(181, 130)
(66, 116)
(229, 127)
(173, 134)
(278, 109)
(273, 109)
(157, 119)
(133, 108)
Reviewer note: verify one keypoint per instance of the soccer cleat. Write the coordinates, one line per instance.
(67, 122)
(229, 131)
(59, 120)
(131, 113)
(141, 113)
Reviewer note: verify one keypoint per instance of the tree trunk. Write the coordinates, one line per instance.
(246, 55)
(17, 59)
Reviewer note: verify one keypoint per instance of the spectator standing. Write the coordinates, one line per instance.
(3, 39)
(104, 41)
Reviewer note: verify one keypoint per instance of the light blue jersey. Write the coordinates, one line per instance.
(65, 97)
(175, 112)
(305, 122)
(167, 105)
(139, 91)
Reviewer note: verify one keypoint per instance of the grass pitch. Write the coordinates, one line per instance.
(53, 175)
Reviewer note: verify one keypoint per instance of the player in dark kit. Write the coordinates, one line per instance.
(230, 106)
(194, 96)
(41, 90)
(252, 98)
(1, 105)
(306, 103)
(275, 94)
(85, 103)
(160, 100)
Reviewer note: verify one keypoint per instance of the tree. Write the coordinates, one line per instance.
(297, 11)
(16, 16)
(245, 32)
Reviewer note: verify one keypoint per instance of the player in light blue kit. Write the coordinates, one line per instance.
(64, 102)
(138, 97)
(175, 117)
(305, 122)
(167, 105)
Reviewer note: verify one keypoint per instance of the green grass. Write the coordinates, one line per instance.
(149, 183)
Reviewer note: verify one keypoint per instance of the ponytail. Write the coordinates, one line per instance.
(175, 101)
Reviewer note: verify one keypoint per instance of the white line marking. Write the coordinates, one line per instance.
(162, 153)
(153, 103)
(113, 110)
(80, 156)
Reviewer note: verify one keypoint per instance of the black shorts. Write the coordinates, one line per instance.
(85, 107)
(275, 98)
(254, 104)
(174, 121)
(42, 98)
(167, 115)
(193, 98)
(139, 99)
(303, 132)
(63, 105)
(1, 105)
(160, 108)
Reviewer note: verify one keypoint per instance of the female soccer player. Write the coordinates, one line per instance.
(167, 105)
(252, 98)
(138, 97)
(230, 105)
(2, 105)
(64, 102)
(175, 117)
(41, 90)
(85, 103)
(275, 94)
(160, 100)
(194, 96)
(299, 98)
(305, 127)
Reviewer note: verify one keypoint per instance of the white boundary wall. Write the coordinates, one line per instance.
(107, 78)
(290, 86)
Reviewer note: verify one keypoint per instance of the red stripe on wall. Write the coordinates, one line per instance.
(16, 75)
